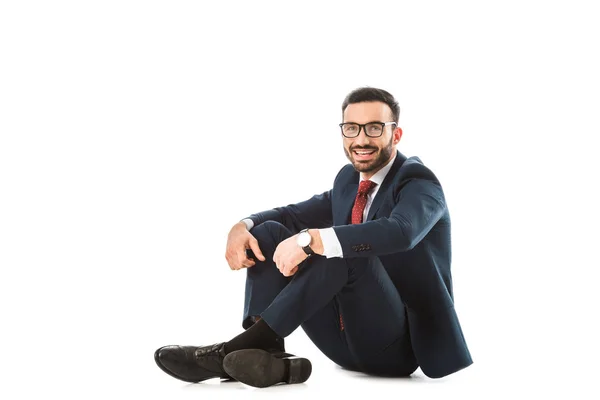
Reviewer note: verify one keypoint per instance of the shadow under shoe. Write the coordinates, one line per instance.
(260, 368)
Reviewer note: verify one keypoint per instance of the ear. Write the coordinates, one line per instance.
(397, 135)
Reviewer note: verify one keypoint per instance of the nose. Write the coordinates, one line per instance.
(362, 139)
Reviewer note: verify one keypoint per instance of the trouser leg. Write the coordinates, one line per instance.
(324, 330)
(364, 327)
(263, 280)
(374, 337)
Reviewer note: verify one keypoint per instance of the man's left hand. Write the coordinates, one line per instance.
(288, 255)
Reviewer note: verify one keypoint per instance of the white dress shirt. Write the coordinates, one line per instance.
(331, 243)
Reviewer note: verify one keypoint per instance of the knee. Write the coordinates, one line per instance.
(270, 231)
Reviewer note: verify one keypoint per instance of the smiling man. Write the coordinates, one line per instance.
(363, 268)
(369, 153)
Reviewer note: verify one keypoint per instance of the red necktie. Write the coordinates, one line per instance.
(361, 200)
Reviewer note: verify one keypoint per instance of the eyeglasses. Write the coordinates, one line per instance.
(372, 129)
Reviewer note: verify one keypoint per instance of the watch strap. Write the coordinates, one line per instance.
(307, 248)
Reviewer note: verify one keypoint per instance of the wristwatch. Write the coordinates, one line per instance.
(304, 240)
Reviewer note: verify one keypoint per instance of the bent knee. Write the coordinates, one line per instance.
(270, 231)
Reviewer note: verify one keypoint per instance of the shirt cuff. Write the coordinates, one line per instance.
(248, 222)
(331, 243)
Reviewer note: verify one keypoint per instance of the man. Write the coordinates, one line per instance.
(363, 268)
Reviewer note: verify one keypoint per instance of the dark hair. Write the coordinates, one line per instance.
(366, 94)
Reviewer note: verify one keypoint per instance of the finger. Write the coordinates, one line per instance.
(230, 261)
(294, 270)
(242, 260)
(256, 249)
(288, 270)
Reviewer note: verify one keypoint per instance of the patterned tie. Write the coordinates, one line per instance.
(361, 200)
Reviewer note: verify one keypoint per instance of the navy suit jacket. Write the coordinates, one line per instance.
(408, 231)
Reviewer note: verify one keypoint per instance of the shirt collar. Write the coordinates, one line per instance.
(380, 175)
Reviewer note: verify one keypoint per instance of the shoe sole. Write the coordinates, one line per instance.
(261, 369)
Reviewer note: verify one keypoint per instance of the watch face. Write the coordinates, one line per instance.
(304, 239)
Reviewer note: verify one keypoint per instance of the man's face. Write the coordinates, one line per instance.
(369, 154)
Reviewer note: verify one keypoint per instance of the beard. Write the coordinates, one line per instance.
(382, 156)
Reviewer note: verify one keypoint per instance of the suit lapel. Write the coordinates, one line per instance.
(347, 202)
(378, 200)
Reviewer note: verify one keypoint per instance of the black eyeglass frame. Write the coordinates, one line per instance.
(364, 128)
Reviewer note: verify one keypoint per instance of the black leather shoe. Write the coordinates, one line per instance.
(261, 369)
(196, 364)
(192, 363)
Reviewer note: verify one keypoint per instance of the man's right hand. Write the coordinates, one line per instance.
(238, 240)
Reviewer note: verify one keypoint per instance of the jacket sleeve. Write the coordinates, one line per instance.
(419, 207)
(313, 213)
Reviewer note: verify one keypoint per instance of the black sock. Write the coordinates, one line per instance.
(258, 336)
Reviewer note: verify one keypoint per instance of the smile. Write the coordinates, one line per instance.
(363, 154)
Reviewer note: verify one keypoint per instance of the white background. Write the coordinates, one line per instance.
(135, 133)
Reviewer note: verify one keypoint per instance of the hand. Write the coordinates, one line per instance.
(238, 240)
(288, 255)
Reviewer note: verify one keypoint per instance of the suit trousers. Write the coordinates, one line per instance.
(349, 308)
